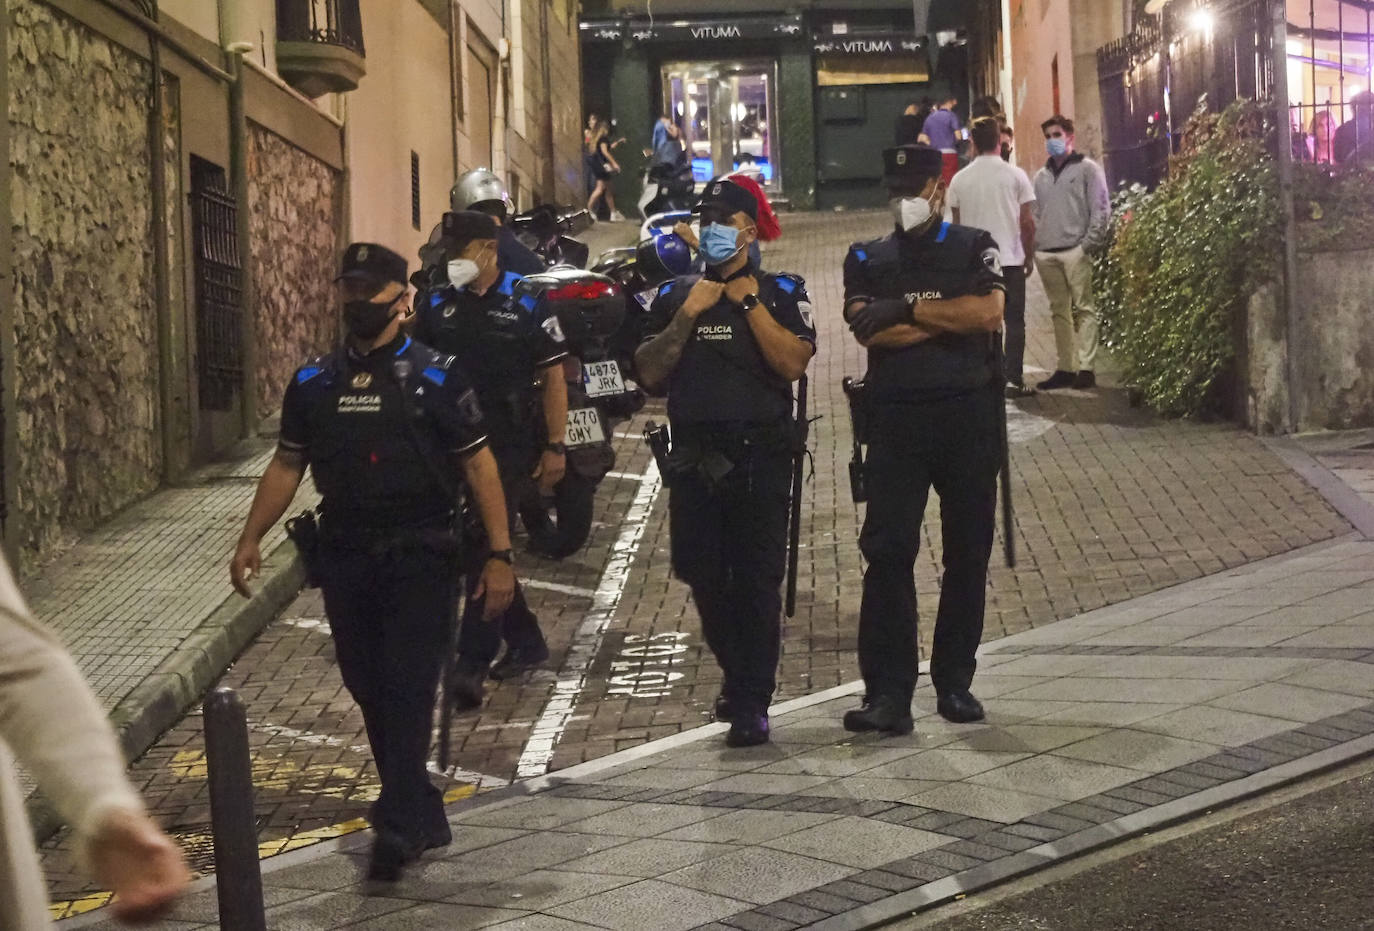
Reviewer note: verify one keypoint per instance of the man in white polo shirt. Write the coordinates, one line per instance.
(996, 196)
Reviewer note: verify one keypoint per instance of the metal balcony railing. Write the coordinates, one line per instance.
(328, 22)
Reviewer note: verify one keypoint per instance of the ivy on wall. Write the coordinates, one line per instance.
(1185, 259)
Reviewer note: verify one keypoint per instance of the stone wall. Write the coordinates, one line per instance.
(1335, 388)
(84, 304)
(294, 202)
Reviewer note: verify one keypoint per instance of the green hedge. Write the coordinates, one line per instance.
(1185, 259)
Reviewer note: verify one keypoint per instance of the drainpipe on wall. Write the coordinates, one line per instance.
(498, 120)
(453, 85)
(9, 442)
(166, 353)
(1279, 65)
(550, 179)
(238, 182)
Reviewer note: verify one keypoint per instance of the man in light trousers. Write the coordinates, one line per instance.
(1073, 214)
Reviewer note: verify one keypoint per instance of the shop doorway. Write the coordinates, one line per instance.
(727, 112)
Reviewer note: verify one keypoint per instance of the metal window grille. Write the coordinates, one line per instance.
(218, 271)
(330, 22)
(415, 190)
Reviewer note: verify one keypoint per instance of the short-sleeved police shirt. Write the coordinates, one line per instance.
(379, 430)
(500, 340)
(722, 374)
(945, 262)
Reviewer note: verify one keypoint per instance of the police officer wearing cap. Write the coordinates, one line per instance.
(729, 345)
(510, 344)
(390, 429)
(926, 301)
(482, 191)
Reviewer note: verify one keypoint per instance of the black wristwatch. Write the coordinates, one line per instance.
(560, 448)
(749, 302)
(505, 556)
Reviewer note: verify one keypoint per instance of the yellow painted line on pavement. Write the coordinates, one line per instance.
(88, 903)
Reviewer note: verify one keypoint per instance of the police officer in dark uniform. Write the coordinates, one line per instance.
(514, 350)
(926, 300)
(390, 429)
(729, 346)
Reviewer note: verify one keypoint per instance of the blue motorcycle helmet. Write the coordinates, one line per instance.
(662, 257)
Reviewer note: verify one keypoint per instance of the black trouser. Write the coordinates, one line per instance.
(729, 543)
(389, 614)
(1014, 322)
(518, 626)
(951, 445)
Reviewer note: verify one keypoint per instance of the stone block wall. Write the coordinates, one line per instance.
(294, 210)
(84, 295)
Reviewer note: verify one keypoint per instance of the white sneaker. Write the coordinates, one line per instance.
(617, 216)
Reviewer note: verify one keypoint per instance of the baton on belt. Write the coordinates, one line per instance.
(1008, 512)
(802, 428)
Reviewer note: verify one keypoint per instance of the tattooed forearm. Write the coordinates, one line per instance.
(657, 358)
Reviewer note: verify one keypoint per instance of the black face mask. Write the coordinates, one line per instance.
(1006, 152)
(366, 319)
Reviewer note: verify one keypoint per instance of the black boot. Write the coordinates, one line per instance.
(390, 854)
(748, 729)
(519, 661)
(465, 686)
(724, 709)
(1085, 380)
(1060, 379)
(960, 707)
(880, 713)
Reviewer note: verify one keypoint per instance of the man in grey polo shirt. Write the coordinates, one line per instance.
(1073, 213)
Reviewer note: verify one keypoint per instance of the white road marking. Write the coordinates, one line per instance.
(627, 476)
(586, 643)
(562, 589)
(1022, 427)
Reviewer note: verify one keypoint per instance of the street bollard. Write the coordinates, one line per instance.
(237, 875)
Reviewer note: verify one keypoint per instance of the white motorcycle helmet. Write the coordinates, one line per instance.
(479, 189)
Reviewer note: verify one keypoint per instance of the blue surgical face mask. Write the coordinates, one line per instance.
(1057, 147)
(719, 243)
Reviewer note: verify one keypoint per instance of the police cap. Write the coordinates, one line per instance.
(461, 227)
(911, 165)
(369, 262)
(730, 196)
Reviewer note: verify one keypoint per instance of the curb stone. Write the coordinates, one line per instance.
(161, 699)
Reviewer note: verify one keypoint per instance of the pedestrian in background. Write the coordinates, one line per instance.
(926, 301)
(51, 721)
(993, 195)
(911, 124)
(603, 166)
(390, 429)
(944, 130)
(1354, 139)
(726, 348)
(1073, 214)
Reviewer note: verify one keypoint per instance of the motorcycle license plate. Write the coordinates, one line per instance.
(584, 428)
(602, 378)
(646, 297)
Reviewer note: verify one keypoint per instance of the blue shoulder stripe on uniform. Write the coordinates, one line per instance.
(665, 287)
(306, 373)
(436, 298)
(507, 286)
(528, 301)
(435, 374)
(861, 255)
(786, 284)
(404, 346)
(944, 232)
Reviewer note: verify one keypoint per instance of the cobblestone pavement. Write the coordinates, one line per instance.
(1112, 503)
(1102, 727)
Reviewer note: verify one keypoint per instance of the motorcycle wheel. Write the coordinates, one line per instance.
(561, 529)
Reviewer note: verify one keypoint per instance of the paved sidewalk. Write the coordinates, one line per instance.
(1100, 727)
(144, 605)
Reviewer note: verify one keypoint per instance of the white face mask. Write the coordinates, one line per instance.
(911, 212)
(462, 272)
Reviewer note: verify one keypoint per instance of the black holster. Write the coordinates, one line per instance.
(304, 531)
(861, 416)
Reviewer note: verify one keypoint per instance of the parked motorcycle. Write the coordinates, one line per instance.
(590, 309)
(667, 186)
(549, 232)
(639, 271)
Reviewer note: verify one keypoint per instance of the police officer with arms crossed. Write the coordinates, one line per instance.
(507, 344)
(729, 346)
(389, 428)
(925, 300)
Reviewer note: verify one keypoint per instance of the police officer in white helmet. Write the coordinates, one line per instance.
(482, 191)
